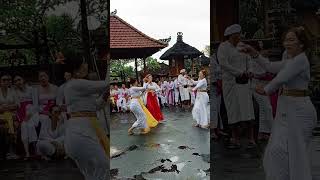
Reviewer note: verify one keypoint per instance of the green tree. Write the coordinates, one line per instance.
(26, 19)
(61, 32)
(152, 64)
(121, 69)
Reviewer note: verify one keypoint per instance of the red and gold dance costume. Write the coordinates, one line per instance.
(151, 121)
(153, 105)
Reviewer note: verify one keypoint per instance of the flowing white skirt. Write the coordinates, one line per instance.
(286, 156)
(137, 110)
(201, 109)
(82, 145)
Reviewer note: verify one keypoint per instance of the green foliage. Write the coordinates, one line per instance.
(251, 16)
(99, 9)
(152, 64)
(120, 68)
(61, 32)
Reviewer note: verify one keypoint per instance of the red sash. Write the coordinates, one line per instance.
(47, 107)
(116, 97)
(21, 113)
(274, 100)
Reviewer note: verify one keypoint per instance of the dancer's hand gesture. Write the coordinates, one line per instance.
(247, 49)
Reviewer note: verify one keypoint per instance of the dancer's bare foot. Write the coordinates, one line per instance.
(130, 131)
(144, 131)
(196, 125)
(205, 127)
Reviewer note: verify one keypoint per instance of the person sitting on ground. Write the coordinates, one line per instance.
(51, 139)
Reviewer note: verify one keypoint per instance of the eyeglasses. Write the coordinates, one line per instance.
(5, 79)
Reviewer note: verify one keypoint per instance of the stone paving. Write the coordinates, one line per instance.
(173, 150)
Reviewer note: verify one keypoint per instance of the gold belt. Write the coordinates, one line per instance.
(294, 92)
(136, 97)
(202, 90)
(83, 114)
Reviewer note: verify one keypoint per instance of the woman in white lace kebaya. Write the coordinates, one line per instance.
(201, 109)
(286, 156)
(85, 139)
(144, 119)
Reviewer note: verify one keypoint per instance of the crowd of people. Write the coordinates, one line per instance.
(44, 121)
(40, 133)
(179, 92)
(275, 93)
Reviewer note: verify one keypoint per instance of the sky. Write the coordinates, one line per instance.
(160, 19)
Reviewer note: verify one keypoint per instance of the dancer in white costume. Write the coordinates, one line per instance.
(46, 94)
(135, 93)
(51, 138)
(201, 109)
(286, 156)
(122, 93)
(85, 141)
(170, 93)
(176, 91)
(8, 106)
(26, 113)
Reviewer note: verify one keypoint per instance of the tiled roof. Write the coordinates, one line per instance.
(181, 49)
(123, 35)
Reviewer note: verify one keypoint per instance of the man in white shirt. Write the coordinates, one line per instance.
(236, 91)
(183, 88)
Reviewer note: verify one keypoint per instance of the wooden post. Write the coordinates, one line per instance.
(136, 68)
(85, 33)
(144, 65)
